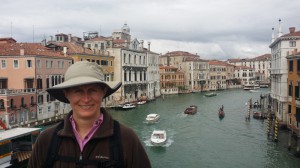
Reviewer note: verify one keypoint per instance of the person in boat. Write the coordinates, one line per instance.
(88, 136)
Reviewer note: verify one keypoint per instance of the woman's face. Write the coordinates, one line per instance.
(85, 100)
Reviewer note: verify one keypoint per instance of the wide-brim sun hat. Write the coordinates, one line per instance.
(82, 73)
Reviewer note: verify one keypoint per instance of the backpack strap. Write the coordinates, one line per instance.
(53, 147)
(116, 146)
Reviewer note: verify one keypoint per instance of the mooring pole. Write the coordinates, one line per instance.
(290, 140)
(276, 130)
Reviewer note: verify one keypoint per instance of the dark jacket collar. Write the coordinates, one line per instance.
(105, 129)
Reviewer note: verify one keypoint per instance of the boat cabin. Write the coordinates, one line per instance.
(16, 146)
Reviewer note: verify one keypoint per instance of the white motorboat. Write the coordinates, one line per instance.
(141, 102)
(158, 137)
(128, 106)
(151, 118)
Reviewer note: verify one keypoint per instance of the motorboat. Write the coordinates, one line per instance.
(192, 109)
(158, 137)
(249, 87)
(128, 106)
(151, 118)
(211, 94)
(141, 102)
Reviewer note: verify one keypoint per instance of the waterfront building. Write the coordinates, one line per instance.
(231, 81)
(261, 65)
(153, 73)
(135, 66)
(245, 74)
(172, 80)
(196, 73)
(195, 70)
(279, 70)
(217, 75)
(293, 109)
(27, 70)
(99, 44)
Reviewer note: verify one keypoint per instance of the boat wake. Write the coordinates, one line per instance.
(170, 140)
(167, 144)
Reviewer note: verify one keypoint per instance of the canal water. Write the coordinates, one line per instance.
(203, 140)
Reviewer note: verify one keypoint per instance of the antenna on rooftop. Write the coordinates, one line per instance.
(11, 29)
(100, 33)
(33, 33)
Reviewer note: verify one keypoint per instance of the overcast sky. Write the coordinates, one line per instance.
(213, 29)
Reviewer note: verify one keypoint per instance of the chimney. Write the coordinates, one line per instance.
(69, 37)
(65, 51)
(292, 29)
(149, 45)
(22, 51)
(142, 45)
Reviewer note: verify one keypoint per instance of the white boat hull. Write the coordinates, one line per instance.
(158, 137)
(151, 118)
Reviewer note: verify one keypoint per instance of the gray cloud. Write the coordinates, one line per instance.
(213, 29)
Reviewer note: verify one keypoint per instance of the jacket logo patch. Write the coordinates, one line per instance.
(101, 157)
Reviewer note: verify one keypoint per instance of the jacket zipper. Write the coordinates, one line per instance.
(80, 157)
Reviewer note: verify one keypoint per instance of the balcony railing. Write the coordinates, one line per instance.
(16, 91)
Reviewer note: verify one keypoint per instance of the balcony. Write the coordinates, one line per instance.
(277, 71)
(13, 107)
(16, 91)
(23, 105)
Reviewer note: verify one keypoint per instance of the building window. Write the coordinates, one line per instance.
(16, 63)
(40, 110)
(292, 43)
(3, 83)
(3, 64)
(291, 66)
(297, 91)
(38, 64)
(104, 62)
(1, 104)
(12, 118)
(297, 114)
(290, 89)
(289, 109)
(28, 64)
(40, 99)
(39, 83)
(298, 65)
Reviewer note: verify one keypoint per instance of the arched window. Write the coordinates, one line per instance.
(22, 102)
(32, 100)
(1, 104)
(12, 103)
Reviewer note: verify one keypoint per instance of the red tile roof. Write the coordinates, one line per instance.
(29, 49)
(180, 53)
(73, 48)
(242, 67)
(297, 33)
(217, 62)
